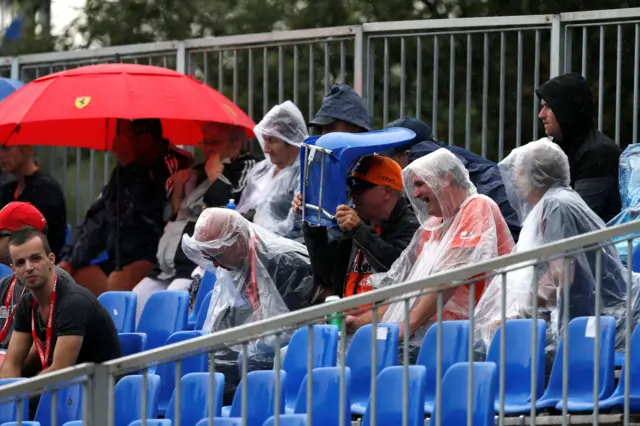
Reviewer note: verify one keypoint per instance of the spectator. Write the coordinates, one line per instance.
(459, 227)
(139, 189)
(274, 181)
(259, 275)
(375, 232)
(342, 110)
(484, 174)
(221, 176)
(32, 185)
(567, 114)
(65, 322)
(14, 217)
(538, 185)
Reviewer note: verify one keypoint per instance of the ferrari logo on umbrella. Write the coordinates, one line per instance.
(82, 101)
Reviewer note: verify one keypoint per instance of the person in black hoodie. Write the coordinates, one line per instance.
(139, 188)
(567, 111)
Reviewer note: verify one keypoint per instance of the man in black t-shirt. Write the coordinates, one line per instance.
(64, 321)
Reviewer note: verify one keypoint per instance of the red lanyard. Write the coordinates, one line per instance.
(43, 353)
(252, 290)
(9, 308)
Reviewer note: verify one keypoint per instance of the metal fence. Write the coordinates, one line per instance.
(472, 79)
(100, 403)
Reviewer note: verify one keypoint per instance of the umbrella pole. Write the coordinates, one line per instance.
(118, 259)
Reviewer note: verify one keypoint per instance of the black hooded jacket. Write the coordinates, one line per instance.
(593, 157)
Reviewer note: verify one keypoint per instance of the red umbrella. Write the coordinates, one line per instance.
(78, 107)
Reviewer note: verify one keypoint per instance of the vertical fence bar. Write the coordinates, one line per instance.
(596, 346)
(385, 84)
(418, 77)
(519, 93)
(536, 82)
(327, 71)
(636, 65)
(403, 76)
(501, 107)
(585, 43)
(434, 100)
(265, 80)
(452, 88)
(280, 75)
(601, 80)
(467, 112)
(296, 70)
(618, 84)
(311, 82)
(485, 93)
(628, 326)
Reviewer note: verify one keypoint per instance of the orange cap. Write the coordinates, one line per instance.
(379, 170)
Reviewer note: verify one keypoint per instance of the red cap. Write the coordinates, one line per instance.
(17, 214)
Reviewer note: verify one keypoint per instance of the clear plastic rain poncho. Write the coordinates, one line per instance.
(537, 181)
(270, 196)
(458, 227)
(259, 274)
(629, 183)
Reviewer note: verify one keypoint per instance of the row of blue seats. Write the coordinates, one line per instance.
(454, 345)
(454, 349)
(196, 398)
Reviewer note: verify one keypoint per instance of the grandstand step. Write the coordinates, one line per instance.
(580, 419)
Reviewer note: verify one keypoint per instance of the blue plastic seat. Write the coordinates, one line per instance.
(296, 360)
(195, 398)
(292, 420)
(167, 371)
(455, 388)
(74, 423)
(617, 399)
(389, 396)
(128, 398)
(518, 364)
(121, 305)
(68, 402)
(581, 365)
(206, 285)
(164, 314)
(5, 271)
(455, 348)
(9, 410)
(326, 396)
(204, 309)
(358, 359)
(132, 343)
(261, 396)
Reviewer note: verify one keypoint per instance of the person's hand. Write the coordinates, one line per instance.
(296, 203)
(352, 323)
(181, 177)
(213, 168)
(347, 218)
(66, 266)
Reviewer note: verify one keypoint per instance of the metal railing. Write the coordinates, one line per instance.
(478, 71)
(98, 381)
